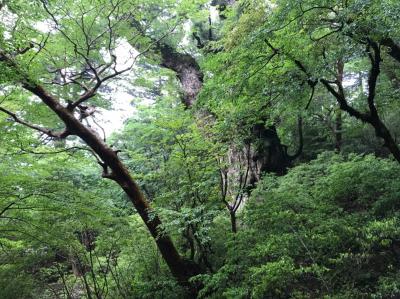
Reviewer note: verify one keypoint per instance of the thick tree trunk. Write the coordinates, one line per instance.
(187, 70)
(270, 154)
(271, 157)
(263, 152)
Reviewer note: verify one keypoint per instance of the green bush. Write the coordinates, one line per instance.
(328, 229)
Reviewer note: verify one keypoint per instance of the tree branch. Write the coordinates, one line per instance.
(48, 132)
(375, 58)
(343, 103)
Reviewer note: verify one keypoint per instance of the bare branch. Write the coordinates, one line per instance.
(92, 92)
(72, 150)
(42, 130)
(303, 12)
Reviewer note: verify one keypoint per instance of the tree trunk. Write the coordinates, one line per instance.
(187, 70)
(383, 132)
(272, 157)
(119, 173)
(233, 221)
(270, 154)
(338, 113)
(338, 130)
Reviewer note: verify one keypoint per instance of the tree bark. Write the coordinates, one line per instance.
(270, 154)
(273, 157)
(187, 70)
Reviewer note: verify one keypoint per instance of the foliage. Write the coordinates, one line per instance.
(329, 228)
(177, 168)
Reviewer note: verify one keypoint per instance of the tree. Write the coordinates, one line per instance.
(321, 230)
(312, 39)
(259, 148)
(81, 37)
(177, 168)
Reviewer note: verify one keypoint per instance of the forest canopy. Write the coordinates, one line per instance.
(199, 149)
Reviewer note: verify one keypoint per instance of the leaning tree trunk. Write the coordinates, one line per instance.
(114, 169)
